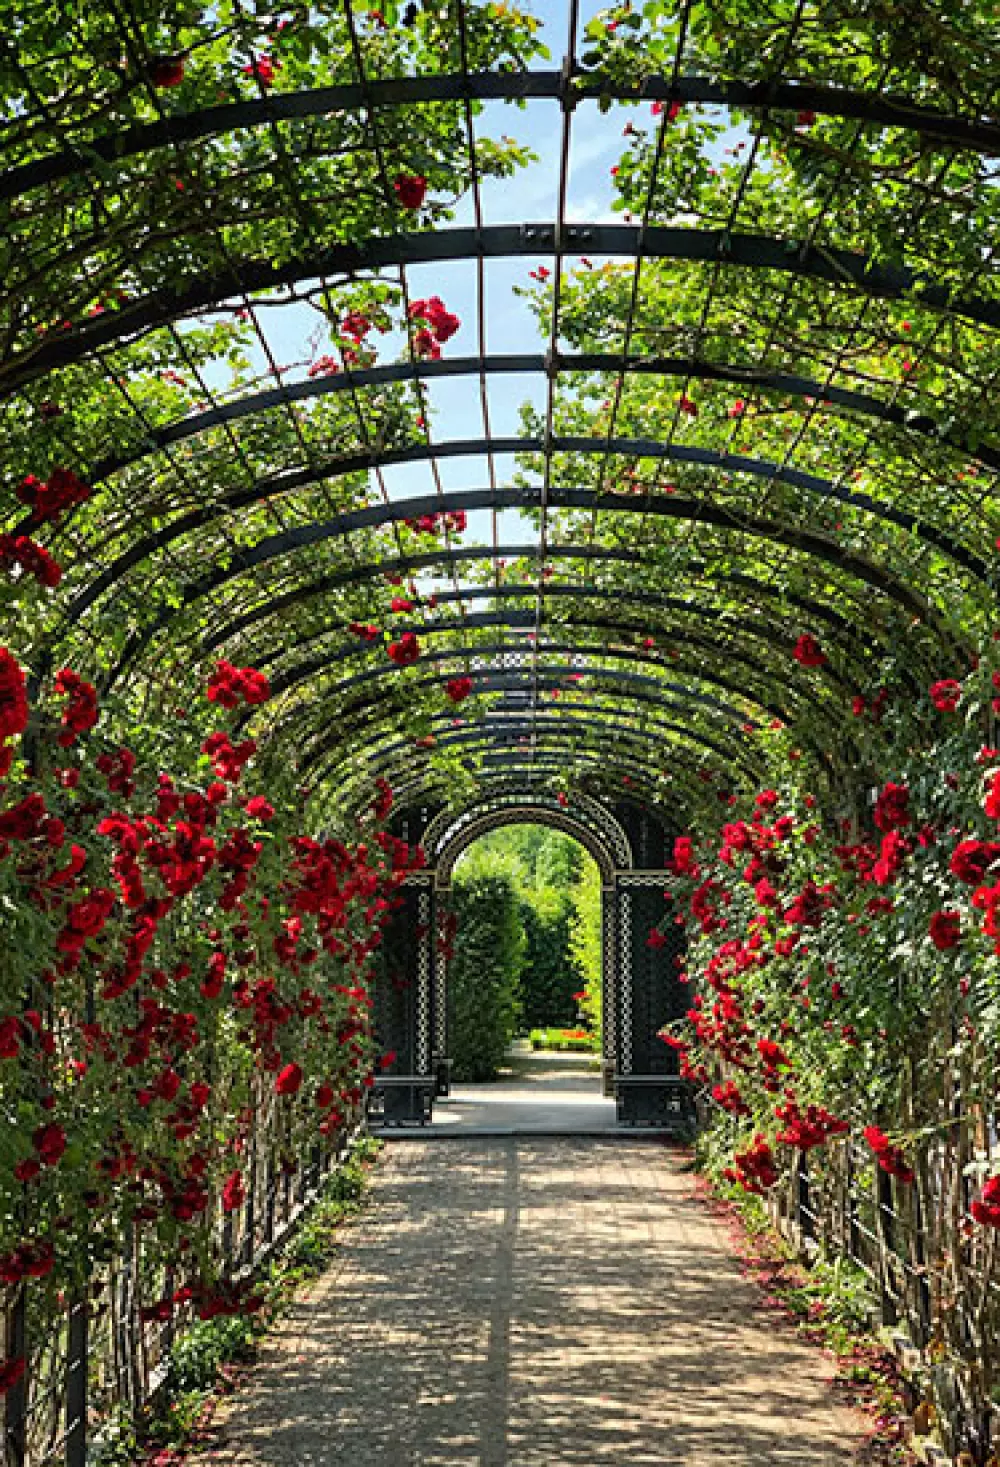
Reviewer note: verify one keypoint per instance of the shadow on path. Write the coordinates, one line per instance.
(547, 1302)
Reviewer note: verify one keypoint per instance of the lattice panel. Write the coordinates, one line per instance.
(651, 994)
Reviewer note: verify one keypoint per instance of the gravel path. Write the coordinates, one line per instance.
(547, 1302)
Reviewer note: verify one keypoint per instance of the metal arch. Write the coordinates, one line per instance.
(738, 375)
(375, 516)
(318, 749)
(626, 595)
(315, 748)
(499, 241)
(492, 678)
(564, 730)
(514, 732)
(668, 506)
(518, 777)
(469, 655)
(884, 110)
(600, 823)
(764, 628)
(681, 753)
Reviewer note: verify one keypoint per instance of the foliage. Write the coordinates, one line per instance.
(570, 1040)
(550, 979)
(586, 946)
(485, 971)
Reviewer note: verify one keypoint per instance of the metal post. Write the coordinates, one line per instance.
(77, 1355)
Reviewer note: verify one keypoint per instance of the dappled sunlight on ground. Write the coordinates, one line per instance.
(535, 1303)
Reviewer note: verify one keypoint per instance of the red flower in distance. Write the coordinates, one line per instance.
(945, 695)
(441, 323)
(50, 1142)
(986, 1208)
(971, 859)
(945, 929)
(367, 633)
(233, 1192)
(166, 71)
(405, 651)
(808, 652)
(459, 688)
(80, 713)
(228, 685)
(60, 492)
(892, 807)
(13, 697)
(262, 68)
(657, 939)
(32, 558)
(11, 1371)
(890, 1158)
(289, 1080)
(409, 189)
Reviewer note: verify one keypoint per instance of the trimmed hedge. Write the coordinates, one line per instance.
(485, 971)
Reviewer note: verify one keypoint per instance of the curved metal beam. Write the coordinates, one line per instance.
(517, 729)
(378, 515)
(625, 595)
(774, 638)
(498, 241)
(812, 542)
(737, 374)
(186, 127)
(638, 685)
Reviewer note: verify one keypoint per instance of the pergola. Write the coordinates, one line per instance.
(761, 406)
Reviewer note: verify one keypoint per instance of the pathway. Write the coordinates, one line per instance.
(537, 1092)
(535, 1302)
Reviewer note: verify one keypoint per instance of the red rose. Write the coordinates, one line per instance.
(166, 71)
(945, 695)
(945, 929)
(808, 652)
(459, 688)
(405, 651)
(410, 189)
(233, 1192)
(50, 1143)
(260, 809)
(289, 1080)
(971, 859)
(892, 807)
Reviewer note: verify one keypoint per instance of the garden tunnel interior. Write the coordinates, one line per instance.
(530, 502)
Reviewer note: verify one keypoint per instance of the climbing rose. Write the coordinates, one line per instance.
(410, 189)
(440, 321)
(263, 69)
(50, 1143)
(11, 1372)
(808, 652)
(60, 492)
(13, 697)
(289, 1080)
(80, 713)
(258, 808)
(971, 859)
(657, 939)
(946, 929)
(405, 651)
(991, 804)
(367, 632)
(986, 1209)
(945, 695)
(233, 1192)
(890, 1158)
(228, 684)
(459, 688)
(892, 807)
(166, 71)
(33, 559)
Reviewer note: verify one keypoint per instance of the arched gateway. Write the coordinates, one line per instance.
(642, 988)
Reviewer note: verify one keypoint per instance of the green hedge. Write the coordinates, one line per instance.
(551, 975)
(485, 971)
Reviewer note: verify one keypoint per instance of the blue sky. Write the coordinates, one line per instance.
(530, 196)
